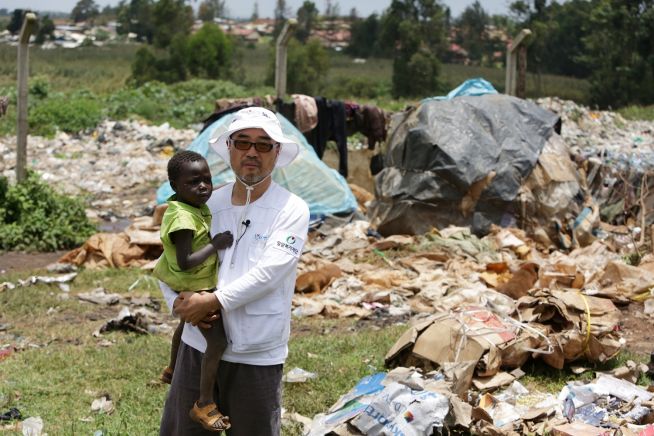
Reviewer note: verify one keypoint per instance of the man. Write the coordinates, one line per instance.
(255, 284)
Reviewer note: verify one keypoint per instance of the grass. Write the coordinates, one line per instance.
(101, 70)
(66, 368)
(645, 113)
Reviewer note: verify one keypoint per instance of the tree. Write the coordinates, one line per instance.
(210, 9)
(209, 53)
(136, 17)
(16, 21)
(84, 10)
(619, 48)
(558, 34)
(255, 12)
(414, 32)
(472, 30)
(307, 15)
(365, 36)
(332, 10)
(281, 13)
(170, 17)
(46, 29)
(206, 12)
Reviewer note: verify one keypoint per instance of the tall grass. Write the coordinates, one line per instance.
(101, 70)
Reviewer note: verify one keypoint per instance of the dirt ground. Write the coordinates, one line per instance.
(20, 261)
(637, 329)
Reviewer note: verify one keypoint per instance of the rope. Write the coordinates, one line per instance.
(588, 321)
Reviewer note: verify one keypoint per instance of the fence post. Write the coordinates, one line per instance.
(280, 57)
(512, 57)
(29, 25)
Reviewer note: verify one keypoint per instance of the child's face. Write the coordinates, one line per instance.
(193, 185)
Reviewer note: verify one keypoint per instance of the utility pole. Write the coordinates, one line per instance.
(516, 75)
(280, 56)
(29, 25)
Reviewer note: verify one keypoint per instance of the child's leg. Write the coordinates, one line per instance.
(177, 337)
(216, 343)
(167, 374)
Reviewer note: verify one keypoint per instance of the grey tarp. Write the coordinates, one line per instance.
(442, 149)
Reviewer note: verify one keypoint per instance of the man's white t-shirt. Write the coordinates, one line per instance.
(256, 277)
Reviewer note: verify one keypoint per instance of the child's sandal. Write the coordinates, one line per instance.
(166, 375)
(210, 417)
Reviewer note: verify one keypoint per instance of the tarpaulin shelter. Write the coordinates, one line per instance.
(460, 161)
(323, 188)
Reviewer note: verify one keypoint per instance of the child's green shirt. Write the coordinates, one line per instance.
(181, 216)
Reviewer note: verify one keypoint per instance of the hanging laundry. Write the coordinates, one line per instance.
(331, 126)
(306, 112)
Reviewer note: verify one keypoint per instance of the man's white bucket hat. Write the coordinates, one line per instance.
(257, 118)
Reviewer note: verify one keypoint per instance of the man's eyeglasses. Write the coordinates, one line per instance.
(261, 147)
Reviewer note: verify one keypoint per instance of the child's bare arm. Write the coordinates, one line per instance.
(186, 258)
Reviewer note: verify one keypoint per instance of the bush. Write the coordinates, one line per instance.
(348, 87)
(417, 77)
(35, 217)
(180, 104)
(72, 114)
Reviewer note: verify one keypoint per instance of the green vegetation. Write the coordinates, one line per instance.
(638, 112)
(92, 81)
(35, 217)
(70, 368)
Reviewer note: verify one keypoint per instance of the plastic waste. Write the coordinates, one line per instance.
(298, 375)
(33, 426)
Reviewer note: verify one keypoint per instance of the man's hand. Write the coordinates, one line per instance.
(198, 308)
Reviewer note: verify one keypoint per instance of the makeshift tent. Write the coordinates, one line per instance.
(461, 161)
(323, 188)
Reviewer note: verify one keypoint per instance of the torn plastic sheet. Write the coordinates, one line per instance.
(443, 152)
(400, 410)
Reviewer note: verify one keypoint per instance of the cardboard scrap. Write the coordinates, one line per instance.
(111, 250)
(470, 334)
(579, 429)
(579, 325)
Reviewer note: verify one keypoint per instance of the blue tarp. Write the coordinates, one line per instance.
(323, 188)
(471, 87)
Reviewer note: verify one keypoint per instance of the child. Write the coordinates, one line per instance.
(189, 263)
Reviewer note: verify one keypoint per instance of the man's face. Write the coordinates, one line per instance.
(193, 185)
(252, 165)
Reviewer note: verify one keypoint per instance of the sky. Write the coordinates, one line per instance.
(244, 8)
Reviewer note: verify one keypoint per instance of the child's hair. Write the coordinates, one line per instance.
(179, 159)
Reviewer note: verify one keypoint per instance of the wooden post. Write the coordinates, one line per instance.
(511, 80)
(521, 80)
(280, 57)
(29, 25)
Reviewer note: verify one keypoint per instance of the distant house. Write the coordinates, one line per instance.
(457, 54)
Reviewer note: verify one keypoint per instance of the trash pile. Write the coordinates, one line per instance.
(563, 174)
(615, 160)
(478, 309)
(413, 402)
(117, 165)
